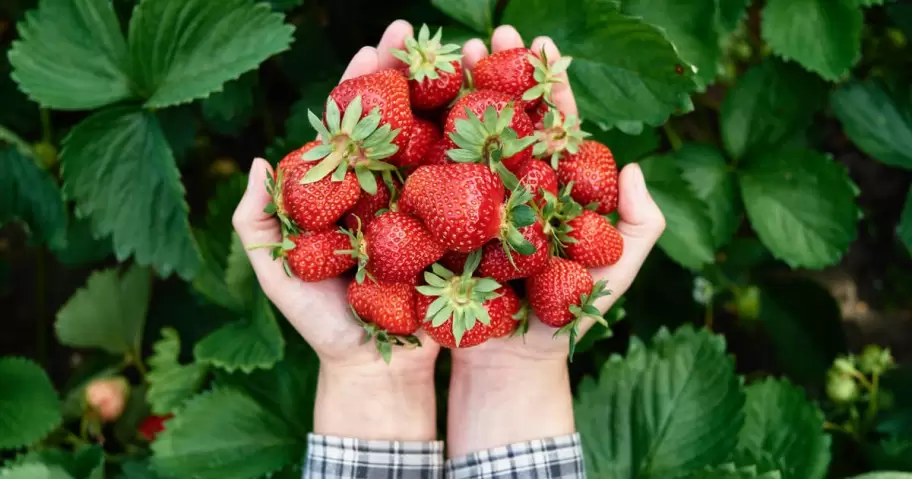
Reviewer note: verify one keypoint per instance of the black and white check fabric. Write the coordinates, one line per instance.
(553, 458)
(335, 457)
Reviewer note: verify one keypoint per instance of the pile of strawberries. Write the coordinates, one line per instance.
(460, 202)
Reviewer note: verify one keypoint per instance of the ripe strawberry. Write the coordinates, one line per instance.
(295, 156)
(454, 261)
(394, 248)
(520, 73)
(386, 311)
(311, 256)
(557, 136)
(595, 243)
(151, 426)
(367, 119)
(496, 264)
(365, 210)
(537, 115)
(537, 177)
(434, 70)
(437, 153)
(313, 206)
(594, 175)
(504, 139)
(504, 312)
(459, 309)
(563, 293)
(462, 206)
(424, 134)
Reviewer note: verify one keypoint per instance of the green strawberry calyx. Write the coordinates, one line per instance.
(460, 297)
(585, 308)
(517, 213)
(488, 140)
(383, 338)
(426, 56)
(558, 137)
(278, 250)
(358, 251)
(556, 212)
(546, 74)
(275, 205)
(350, 142)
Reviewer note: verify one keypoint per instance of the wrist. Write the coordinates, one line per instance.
(494, 403)
(380, 402)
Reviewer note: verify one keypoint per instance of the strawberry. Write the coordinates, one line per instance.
(557, 136)
(295, 156)
(311, 255)
(394, 248)
(364, 211)
(504, 312)
(437, 153)
(367, 119)
(312, 206)
(497, 264)
(563, 293)
(453, 260)
(486, 128)
(537, 177)
(387, 313)
(458, 310)
(520, 73)
(152, 426)
(434, 70)
(463, 206)
(537, 115)
(423, 135)
(596, 242)
(594, 175)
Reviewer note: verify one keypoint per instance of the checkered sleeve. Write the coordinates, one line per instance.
(331, 457)
(553, 458)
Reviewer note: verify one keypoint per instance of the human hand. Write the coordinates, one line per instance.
(401, 393)
(517, 388)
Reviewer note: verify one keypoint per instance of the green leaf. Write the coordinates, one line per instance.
(884, 475)
(71, 55)
(116, 165)
(29, 407)
(108, 313)
(804, 323)
(905, 222)
(475, 14)
(186, 50)
(87, 462)
(170, 382)
(690, 25)
(239, 272)
(730, 13)
(768, 105)
(30, 194)
(801, 204)
(611, 85)
(869, 3)
(34, 471)
(180, 127)
(824, 36)
(82, 247)
(625, 148)
(781, 422)
(877, 120)
(659, 412)
(246, 344)
(705, 170)
(225, 433)
(230, 109)
(133, 469)
(688, 235)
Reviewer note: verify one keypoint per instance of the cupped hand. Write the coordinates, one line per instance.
(320, 311)
(641, 223)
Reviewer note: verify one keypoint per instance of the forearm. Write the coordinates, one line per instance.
(492, 405)
(380, 404)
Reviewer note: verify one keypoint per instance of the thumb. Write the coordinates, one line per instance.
(256, 227)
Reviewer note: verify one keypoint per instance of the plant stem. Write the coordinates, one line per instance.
(872, 402)
(136, 360)
(47, 132)
(673, 137)
(708, 318)
(12, 138)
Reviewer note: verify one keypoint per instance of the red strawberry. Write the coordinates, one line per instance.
(152, 426)
(562, 294)
(295, 156)
(367, 119)
(453, 260)
(537, 115)
(424, 134)
(437, 153)
(311, 256)
(389, 306)
(434, 70)
(536, 176)
(394, 248)
(443, 334)
(314, 206)
(462, 206)
(594, 175)
(595, 243)
(495, 263)
(367, 207)
(476, 140)
(557, 135)
(520, 73)
(504, 312)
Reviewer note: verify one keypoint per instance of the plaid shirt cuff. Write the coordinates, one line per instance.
(331, 457)
(553, 458)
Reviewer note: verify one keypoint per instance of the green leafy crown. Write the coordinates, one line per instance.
(546, 75)
(383, 338)
(556, 212)
(586, 308)
(558, 136)
(427, 56)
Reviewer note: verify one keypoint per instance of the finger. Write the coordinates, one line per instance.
(255, 227)
(393, 38)
(641, 224)
(561, 94)
(505, 37)
(363, 63)
(473, 51)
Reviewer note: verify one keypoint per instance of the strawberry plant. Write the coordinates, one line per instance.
(765, 336)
